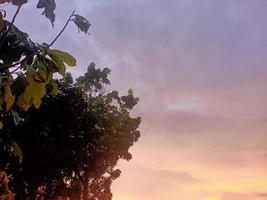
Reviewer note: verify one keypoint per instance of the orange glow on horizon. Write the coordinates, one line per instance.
(211, 198)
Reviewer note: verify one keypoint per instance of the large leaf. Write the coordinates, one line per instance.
(33, 93)
(9, 98)
(82, 23)
(18, 86)
(64, 57)
(49, 9)
(61, 68)
(42, 74)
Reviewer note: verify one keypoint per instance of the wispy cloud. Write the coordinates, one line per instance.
(199, 68)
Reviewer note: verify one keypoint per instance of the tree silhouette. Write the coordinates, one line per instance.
(71, 145)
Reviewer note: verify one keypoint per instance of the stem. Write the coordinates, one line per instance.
(13, 65)
(12, 23)
(63, 29)
(15, 70)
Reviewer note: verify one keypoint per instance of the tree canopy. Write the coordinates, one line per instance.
(67, 144)
(72, 143)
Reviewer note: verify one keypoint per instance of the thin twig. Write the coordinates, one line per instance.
(12, 23)
(15, 70)
(14, 65)
(63, 29)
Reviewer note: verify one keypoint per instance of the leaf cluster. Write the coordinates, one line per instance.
(28, 68)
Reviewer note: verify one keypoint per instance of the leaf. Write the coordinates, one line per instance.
(1, 125)
(18, 86)
(17, 2)
(41, 75)
(49, 9)
(17, 151)
(9, 98)
(82, 23)
(61, 68)
(54, 87)
(64, 57)
(2, 23)
(33, 93)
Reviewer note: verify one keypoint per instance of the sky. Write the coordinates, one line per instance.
(200, 70)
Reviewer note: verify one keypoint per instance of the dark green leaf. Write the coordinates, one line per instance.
(64, 56)
(2, 24)
(82, 23)
(49, 8)
(17, 2)
(61, 68)
(19, 85)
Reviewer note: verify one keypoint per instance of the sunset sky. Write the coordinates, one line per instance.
(200, 70)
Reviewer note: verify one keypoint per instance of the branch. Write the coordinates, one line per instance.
(63, 29)
(14, 65)
(12, 23)
(13, 72)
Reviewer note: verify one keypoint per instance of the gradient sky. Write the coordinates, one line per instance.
(200, 70)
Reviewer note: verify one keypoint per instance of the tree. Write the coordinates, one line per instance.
(27, 69)
(72, 144)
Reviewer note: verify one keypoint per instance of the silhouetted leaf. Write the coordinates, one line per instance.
(14, 2)
(82, 23)
(18, 86)
(18, 2)
(49, 8)
(2, 23)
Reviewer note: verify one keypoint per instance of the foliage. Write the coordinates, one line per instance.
(27, 68)
(49, 7)
(67, 146)
(26, 71)
(72, 144)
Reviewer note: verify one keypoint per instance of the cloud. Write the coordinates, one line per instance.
(263, 195)
(199, 68)
(153, 183)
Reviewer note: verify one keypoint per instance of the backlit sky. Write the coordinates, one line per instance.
(200, 70)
